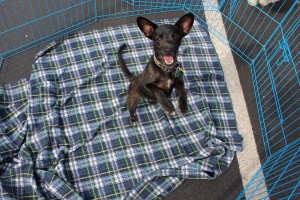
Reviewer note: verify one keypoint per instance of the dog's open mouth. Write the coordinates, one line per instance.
(168, 59)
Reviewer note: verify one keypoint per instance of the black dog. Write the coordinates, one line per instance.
(163, 72)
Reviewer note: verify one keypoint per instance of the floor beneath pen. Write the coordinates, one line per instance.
(226, 186)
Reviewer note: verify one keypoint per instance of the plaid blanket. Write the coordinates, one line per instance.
(65, 133)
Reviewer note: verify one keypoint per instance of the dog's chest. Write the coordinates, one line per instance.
(169, 83)
(164, 84)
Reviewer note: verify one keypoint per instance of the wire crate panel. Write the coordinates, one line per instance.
(245, 38)
(275, 75)
(25, 25)
(274, 63)
(280, 174)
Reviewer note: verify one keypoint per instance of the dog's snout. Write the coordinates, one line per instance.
(168, 49)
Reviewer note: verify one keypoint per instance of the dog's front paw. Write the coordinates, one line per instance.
(152, 102)
(171, 113)
(133, 121)
(183, 107)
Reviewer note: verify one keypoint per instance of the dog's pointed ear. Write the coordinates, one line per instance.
(146, 26)
(185, 23)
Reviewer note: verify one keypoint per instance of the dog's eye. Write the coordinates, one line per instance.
(158, 39)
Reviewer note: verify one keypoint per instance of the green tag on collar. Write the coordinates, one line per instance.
(177, 73)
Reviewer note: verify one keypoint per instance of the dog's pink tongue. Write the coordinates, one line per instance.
(169, 59)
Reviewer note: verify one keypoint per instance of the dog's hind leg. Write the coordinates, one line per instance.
(132, 101)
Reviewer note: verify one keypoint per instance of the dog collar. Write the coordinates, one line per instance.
(169, 68)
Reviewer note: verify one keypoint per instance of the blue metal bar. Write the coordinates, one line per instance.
(260, 111)
(16, 34)
(287, 166)
(1, 59)
(63, 14)
(96, 10)
(18, 18)
(70, 13)
(27, 19)
(76, 13)
(294, 190)
(56, 11)
(278, 142)
(2, 40)
(82, 12)
(265, 175)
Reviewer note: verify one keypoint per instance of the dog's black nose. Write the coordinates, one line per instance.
(168, 50)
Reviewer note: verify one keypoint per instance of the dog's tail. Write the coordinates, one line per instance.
(122, 63)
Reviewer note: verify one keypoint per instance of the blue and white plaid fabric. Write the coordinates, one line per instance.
(65, 133)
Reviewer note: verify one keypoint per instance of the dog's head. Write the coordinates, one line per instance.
(167, 38)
